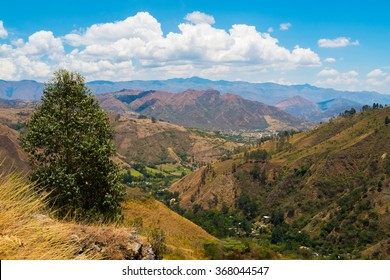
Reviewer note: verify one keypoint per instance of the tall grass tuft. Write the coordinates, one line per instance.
(26, 230)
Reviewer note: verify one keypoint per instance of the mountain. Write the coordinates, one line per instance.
(320, 112)
(301, 108)
(26, 90)
(335, 106)
(206, 109)
(327, 189)
(136, 141)
(268, 93)
(142, 140)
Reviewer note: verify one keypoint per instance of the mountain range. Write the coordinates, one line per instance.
(322, 193)
(207, 109)
(268, 93)
(316, 112)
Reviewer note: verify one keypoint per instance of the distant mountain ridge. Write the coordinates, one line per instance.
(208, 109)
(268, 93)
(316, 112)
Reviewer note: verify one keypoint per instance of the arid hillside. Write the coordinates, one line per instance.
(207, 109)
(154, 142)
(128, 240)
(332, 182)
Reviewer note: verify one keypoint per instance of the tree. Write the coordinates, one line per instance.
(69, 141)
(387, 120)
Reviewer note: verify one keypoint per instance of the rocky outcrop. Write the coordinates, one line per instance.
(111, 243)
(104, 242)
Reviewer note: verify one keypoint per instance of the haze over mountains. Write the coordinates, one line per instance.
(314, 104)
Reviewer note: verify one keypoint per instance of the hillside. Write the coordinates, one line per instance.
(67, 240)
(202, 109)
(11, 155)
(157, 142)
(330, 183)
(184, 239)
(29, 231)
(136, 140)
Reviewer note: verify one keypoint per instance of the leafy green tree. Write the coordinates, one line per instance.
(69, 141)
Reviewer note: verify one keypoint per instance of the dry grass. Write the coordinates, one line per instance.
(26, 233)
(184, 239)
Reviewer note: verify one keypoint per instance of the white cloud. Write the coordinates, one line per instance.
(142, 26)
(3, 31)
(346, 81)
(270, 30)
(198, 17)
(198, 48)
(330, 59)
(42, 43)
(376, 73)
(285, 26)
(136, 48)
(351, 80)
(328, 72)
(337, 43)
(35, 59)
(7, 69)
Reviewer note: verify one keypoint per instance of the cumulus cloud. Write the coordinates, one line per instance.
(7, 69)
(376, 73)
(142, 26)
(136, 48)
(345, 80)
(285, 26)
(42, 43)
(198, 17)
(3, 31)
(330, 59)
(328, 72)
(270, 30)
(197, 49)
(337, 43)
(36, 58)
(352, 80)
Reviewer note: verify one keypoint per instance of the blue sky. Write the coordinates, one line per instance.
(339, 44)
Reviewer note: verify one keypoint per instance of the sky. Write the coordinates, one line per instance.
(334, 44)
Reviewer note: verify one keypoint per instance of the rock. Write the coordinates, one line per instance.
(147, 252)
(134, 247)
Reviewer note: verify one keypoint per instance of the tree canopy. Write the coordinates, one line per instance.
(69, 141)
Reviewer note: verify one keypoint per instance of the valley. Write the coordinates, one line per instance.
(325, 189)
(215, 176)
